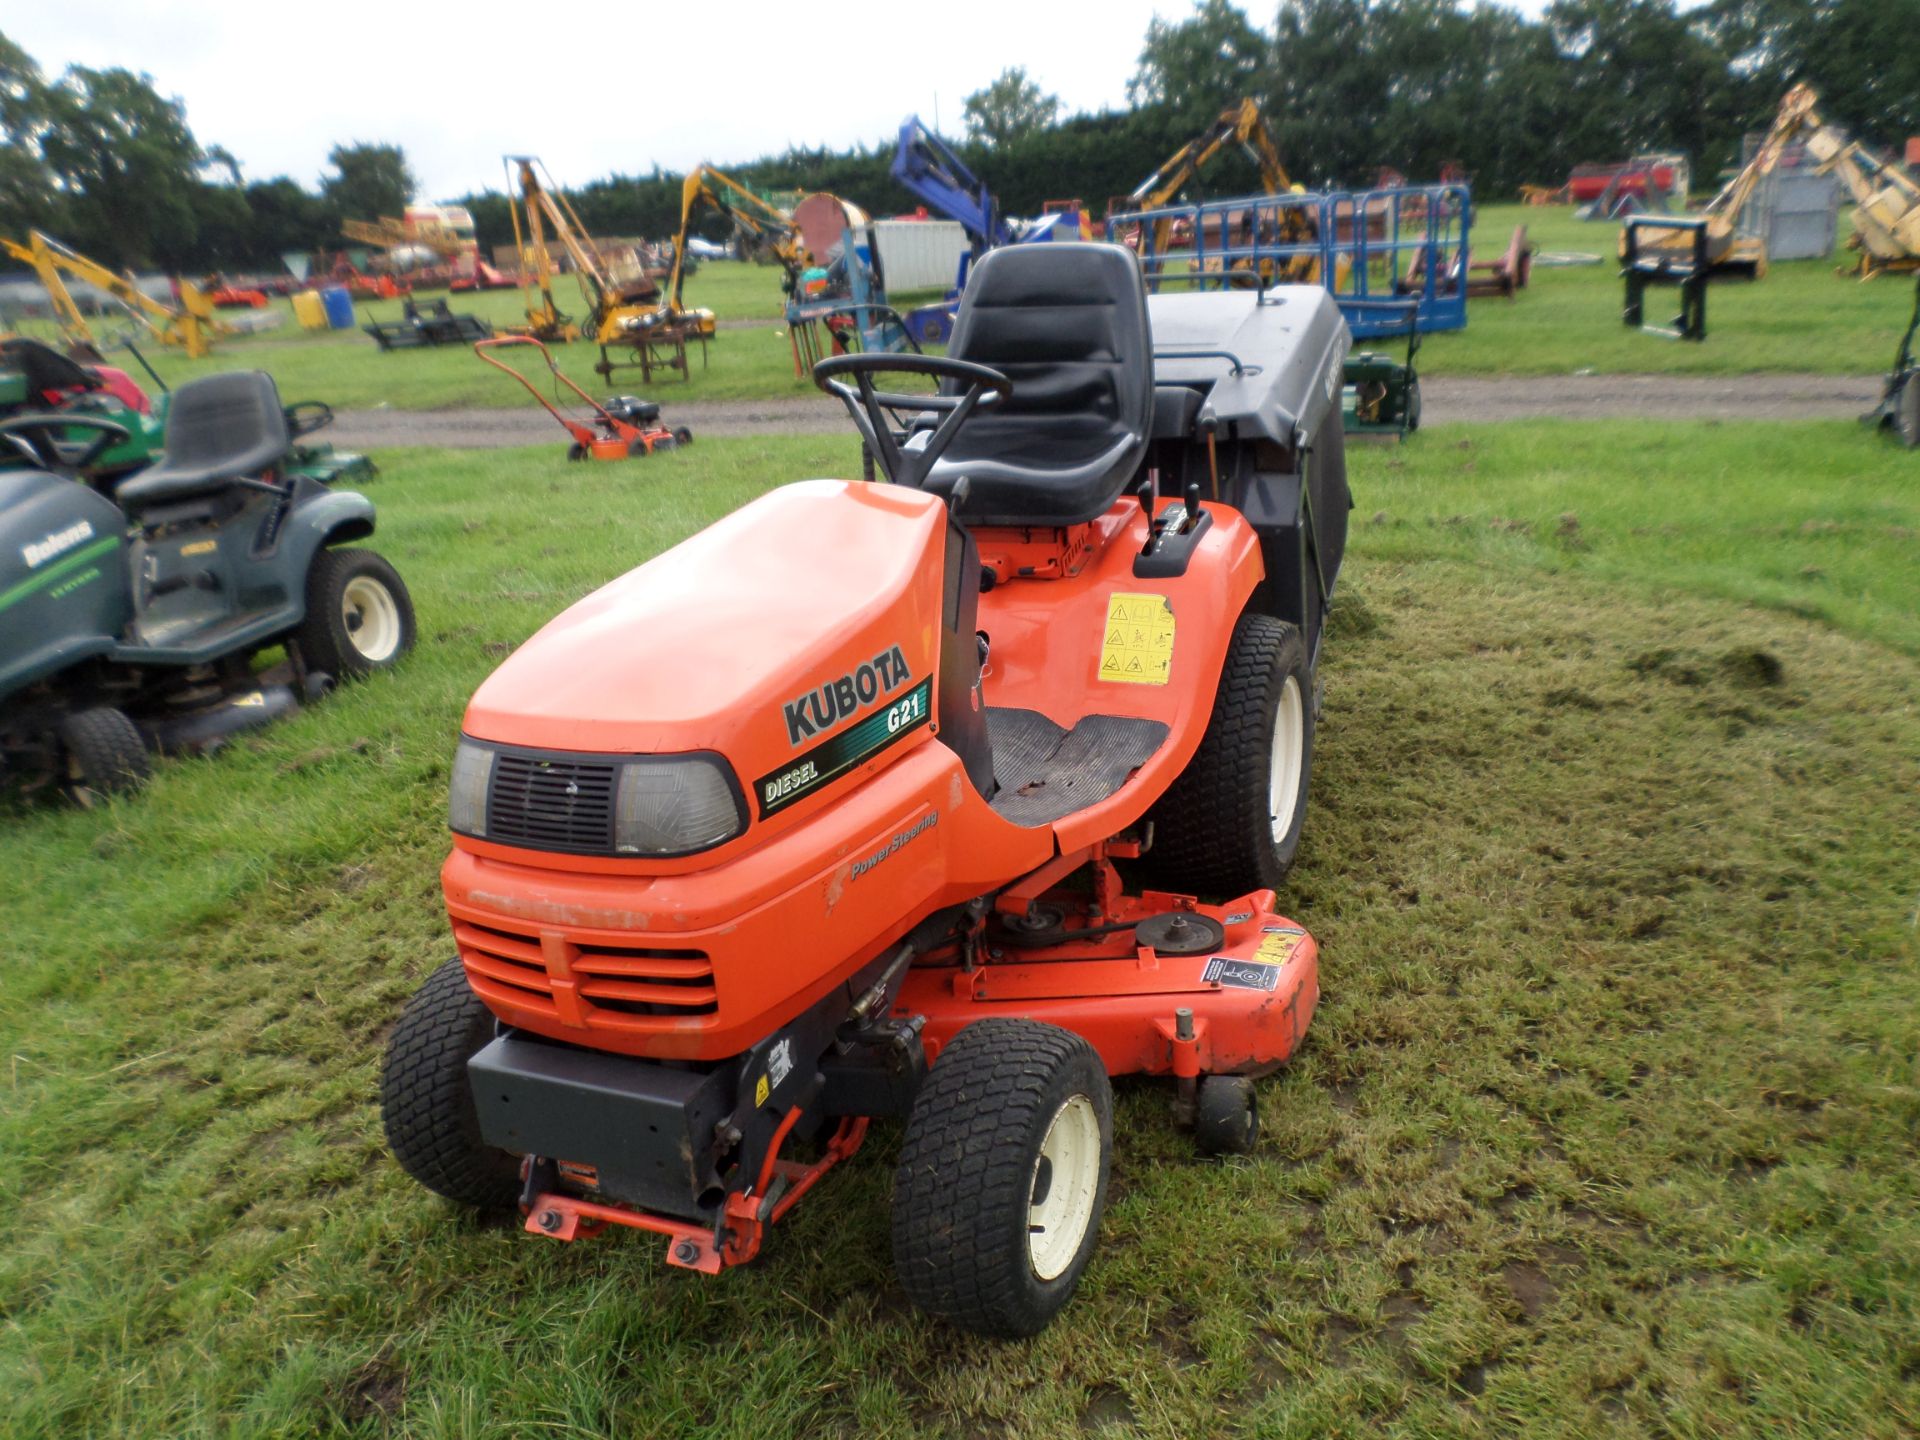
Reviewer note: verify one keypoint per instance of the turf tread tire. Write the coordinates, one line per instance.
(324, 642)
(426, 1100)
(964, 1183)
(105, 746)
(1212, 832)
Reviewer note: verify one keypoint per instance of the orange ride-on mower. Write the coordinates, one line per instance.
(620, 427)
(821, 815)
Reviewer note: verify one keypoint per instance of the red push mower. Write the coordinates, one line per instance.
(621, 427)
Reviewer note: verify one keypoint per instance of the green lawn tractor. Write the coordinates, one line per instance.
(38, 381)
(134, 623)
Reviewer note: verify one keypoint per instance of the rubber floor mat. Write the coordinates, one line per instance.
(1045, 773)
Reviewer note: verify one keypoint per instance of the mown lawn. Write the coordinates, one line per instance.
(1607, 1125)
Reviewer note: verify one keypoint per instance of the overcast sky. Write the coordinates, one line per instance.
(593, 88)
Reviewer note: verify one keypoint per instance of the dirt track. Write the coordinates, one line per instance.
(1446, 400)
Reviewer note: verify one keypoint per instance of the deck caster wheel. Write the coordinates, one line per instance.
(426, 1101)
(1906, 415)
(1003, 1176)
(683, 436)
(1226, 1118)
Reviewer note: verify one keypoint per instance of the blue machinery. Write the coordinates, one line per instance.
(1405, 244)
(926, 167)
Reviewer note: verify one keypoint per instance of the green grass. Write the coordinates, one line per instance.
(346, 369)
(1607, 1124)
(1801, 318)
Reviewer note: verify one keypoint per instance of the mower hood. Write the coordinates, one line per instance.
(811, 607)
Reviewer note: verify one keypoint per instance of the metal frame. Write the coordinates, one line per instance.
(1643, 265)
(1364, 247)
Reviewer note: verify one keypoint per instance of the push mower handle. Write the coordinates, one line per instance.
(36, 437)
(984, 386)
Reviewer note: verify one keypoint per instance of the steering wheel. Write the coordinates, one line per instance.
(985, 386)
(37, 437)
(306, 416)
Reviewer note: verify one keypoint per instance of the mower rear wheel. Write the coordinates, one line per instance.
(1413, 404)
(1231, 822)
(101, 754)
(1226, 1116)
(426, 1101)
(576, 451)
(1003, 1176)
(1906, 413)
(359, 615)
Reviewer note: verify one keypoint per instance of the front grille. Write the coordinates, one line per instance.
(615, 987)
(549, 804)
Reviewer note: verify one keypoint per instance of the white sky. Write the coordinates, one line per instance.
(594, 88)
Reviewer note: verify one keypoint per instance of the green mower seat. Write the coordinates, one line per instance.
(219, 429)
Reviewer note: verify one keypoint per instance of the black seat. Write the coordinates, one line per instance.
(44, 369)
(1067, 324)
(219, 428)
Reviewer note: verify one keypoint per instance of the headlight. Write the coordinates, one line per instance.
(467, 791)
(674, 806)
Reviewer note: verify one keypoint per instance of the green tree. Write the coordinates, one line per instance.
(1012, 106)
(26, 189)
(1205, 62)
(126, 165)
(368, 181)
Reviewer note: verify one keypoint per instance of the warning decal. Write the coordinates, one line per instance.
(1278, 942)
(1138, 646)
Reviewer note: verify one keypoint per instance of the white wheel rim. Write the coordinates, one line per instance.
(1289, 753)
(371, 617)
(1066, 1178)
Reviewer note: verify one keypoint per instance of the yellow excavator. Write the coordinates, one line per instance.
(190, 326)
(617, 290)
(1242, 124)
(758, 220)
(1886, 217)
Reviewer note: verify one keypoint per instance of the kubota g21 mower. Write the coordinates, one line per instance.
(815, 817)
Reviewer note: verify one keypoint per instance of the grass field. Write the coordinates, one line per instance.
(1801, 318)
(1607, 1125)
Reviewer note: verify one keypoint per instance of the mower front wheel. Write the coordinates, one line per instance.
(426, 1100)
(101, 754)
(359, 615)
(1003, 1176)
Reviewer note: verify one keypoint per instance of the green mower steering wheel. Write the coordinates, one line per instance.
(37, 437)
(903, 466)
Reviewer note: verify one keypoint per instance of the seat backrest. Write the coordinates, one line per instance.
(233, 423)
(1067, 323)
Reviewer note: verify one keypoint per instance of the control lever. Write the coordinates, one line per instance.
(1145, 496)
(1193, 507)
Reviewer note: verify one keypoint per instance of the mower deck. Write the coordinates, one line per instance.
(1158, 984)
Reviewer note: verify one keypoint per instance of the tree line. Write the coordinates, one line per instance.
(1348, 87)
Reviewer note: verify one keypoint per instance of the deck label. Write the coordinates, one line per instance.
(1137, 646)
(1241, 974)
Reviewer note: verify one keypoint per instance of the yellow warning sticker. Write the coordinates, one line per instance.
(761, 1091)
(1138, 646)
(1278, 942)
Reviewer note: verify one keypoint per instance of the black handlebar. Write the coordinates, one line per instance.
(903, 466)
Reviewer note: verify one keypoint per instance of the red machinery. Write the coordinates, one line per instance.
(622, 426)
